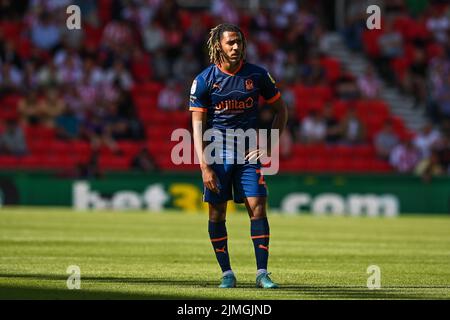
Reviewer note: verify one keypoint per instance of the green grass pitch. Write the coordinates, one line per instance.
(139, 255)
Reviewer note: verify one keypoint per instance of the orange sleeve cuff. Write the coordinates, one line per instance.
(197, 109)
(274, 98)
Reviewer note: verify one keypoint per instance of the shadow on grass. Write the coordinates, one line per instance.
(287, 291)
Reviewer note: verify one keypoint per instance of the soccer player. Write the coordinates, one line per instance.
(225, 96)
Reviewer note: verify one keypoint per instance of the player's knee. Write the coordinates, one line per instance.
(217, 213)
(258, 212)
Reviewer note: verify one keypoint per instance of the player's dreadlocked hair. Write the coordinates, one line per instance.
(215, 50)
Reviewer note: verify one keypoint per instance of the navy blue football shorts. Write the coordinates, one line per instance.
(236, 181)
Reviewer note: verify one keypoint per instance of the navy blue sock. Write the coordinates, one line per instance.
(260, 232)
(219, 239)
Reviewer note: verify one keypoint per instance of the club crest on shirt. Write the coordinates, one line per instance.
(249, 84)
(194, 86)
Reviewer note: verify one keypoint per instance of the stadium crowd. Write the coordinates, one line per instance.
(80, 82)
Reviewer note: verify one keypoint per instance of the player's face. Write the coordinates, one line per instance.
(232, 46)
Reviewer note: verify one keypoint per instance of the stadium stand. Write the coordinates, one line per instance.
(115, 37)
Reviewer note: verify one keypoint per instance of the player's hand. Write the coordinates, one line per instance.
(210, 179)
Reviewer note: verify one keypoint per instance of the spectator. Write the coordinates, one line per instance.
(90, 169)
(143, 161)
(313, 73)
(28, 108)
(51, 107)
(10, 79)
(352, 128)
(333, 129)
(346, 88)
(386, 140)
(426, 139)
(313, 129)
(8, 54)
(414, 81)
(119, 73)
(169, 98)
(97, 131)
(67, 125)
(45, 34)
(368, 84)
(153, 37)
(47, 76)
(185, 66)
(442, 148)
(405, 157)
(430, 167)
(438, 24)
(12, 140)
(391, 47)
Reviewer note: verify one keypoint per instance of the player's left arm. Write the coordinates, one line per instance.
(281, 115)
(273, 98)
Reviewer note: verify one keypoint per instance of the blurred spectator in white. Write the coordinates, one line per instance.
(405, 157)
(438, 24)
(73, 102)
(93, 72)
(12, 140)
(48, 75)
(313, 128)
(45, 34)
(225, 11)
(170, 97)
(137, 13)
(352, 128)
(153, 37)
(284, 11)
(426, 139)
(88, 95)
(368, 83)
(70, 72)
(386, 140)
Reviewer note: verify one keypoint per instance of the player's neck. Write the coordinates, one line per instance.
(229, 68)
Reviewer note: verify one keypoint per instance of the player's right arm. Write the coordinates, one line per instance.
(198, 106)
(208, 175)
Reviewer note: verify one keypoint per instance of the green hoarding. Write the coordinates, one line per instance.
(356, 195)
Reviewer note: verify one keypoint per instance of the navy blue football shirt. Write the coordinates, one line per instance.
(231, 100)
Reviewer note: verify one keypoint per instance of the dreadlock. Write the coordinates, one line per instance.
(216, 55)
